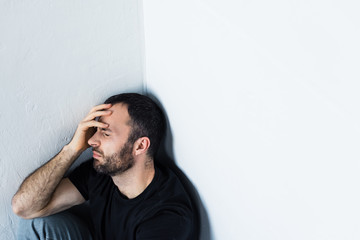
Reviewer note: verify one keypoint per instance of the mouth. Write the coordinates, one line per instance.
(96, 154)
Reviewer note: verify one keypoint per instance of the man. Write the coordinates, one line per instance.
(130, 196)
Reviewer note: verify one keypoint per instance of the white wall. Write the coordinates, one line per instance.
(57, 60)
(263, 100)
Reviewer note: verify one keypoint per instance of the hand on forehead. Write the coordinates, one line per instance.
(118, 114)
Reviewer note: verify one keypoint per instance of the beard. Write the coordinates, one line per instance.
(117, 163)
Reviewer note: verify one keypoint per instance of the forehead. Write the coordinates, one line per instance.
(119, 117)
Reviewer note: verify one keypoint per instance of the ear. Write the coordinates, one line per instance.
(141, 145)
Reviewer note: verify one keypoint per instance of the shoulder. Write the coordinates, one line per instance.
(170, 213)
(170, 187)
(167, 194)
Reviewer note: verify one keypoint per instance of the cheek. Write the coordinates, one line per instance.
(112, 147)
(112, 144)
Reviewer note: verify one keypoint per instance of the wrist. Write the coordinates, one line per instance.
(73, 150)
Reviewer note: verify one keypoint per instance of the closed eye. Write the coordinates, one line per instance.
(104, 131)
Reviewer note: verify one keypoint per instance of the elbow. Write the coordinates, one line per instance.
(24, 212)
(17, 208)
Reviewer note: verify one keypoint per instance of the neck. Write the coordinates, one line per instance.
(135, 180)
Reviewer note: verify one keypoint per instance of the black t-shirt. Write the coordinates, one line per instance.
(162, 211)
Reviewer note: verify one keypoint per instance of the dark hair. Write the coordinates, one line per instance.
(147, 119)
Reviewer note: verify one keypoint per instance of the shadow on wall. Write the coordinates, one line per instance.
(166, 157)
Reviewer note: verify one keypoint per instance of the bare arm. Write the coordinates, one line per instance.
(65, 196)
(43, 192)
(37, 189)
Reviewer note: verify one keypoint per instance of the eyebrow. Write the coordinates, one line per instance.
(103, 129)
(106, 129)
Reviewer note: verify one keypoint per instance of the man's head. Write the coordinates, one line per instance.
(146, 118)
(136, 122)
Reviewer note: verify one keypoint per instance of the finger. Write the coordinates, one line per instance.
(94, 115)
(96, 124)
(100, 107)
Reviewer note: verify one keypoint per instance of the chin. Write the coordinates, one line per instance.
(96, 163)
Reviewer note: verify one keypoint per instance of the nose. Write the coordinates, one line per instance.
(94, 140)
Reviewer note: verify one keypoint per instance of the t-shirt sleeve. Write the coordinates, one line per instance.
(167, 225)
(80, 178)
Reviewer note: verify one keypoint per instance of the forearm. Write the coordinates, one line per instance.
(37, 189)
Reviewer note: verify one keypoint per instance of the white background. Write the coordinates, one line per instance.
(263, 100)
(57, 60)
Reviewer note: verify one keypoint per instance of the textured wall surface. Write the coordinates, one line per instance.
(263, 99)
(57, 60)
